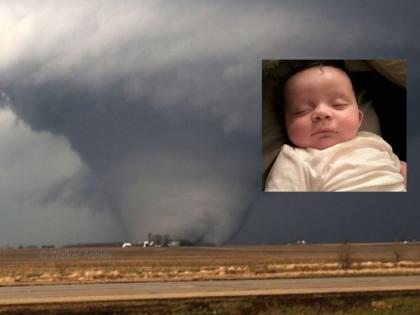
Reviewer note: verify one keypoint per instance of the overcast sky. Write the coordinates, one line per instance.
(119, 118)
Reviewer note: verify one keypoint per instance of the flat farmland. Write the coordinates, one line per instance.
(115, 264)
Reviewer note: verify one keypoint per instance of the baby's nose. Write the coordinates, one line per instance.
(322, 112)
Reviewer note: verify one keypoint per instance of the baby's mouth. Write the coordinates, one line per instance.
(324, 131)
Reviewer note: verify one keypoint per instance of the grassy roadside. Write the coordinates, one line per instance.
(360, 304)
(68, 274)
(99, 265)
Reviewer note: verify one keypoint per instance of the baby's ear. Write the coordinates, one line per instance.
(360, 117)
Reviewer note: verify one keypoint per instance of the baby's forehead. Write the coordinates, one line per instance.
(318, 72)
(318, 80)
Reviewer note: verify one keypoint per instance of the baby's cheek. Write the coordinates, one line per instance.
(297, 132)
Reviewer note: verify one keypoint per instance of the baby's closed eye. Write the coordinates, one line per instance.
(339, 106)
(303, 110)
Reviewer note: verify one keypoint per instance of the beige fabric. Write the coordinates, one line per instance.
(365, 163)
(394, 70)
(370, 118)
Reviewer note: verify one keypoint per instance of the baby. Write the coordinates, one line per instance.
(322, 119)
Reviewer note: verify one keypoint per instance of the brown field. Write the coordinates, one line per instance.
(115, 264)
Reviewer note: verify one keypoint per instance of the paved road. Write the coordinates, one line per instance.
(188, 289)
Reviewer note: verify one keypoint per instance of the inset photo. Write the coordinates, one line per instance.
(334, 125)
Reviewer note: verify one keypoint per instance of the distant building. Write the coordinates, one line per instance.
(148, 244)
(174, 244)
(158, 240)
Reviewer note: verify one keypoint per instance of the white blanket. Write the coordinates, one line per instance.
(365, 163)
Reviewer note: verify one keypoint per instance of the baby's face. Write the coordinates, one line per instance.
(321, 108)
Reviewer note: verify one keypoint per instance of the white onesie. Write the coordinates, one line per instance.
(365, 163)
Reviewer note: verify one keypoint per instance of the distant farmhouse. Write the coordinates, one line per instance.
(158, 240)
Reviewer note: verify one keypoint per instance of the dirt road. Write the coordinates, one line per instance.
(189, 289)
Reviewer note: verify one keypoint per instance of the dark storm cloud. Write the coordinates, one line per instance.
(162, 125)
(138, 156)
(161, 100)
